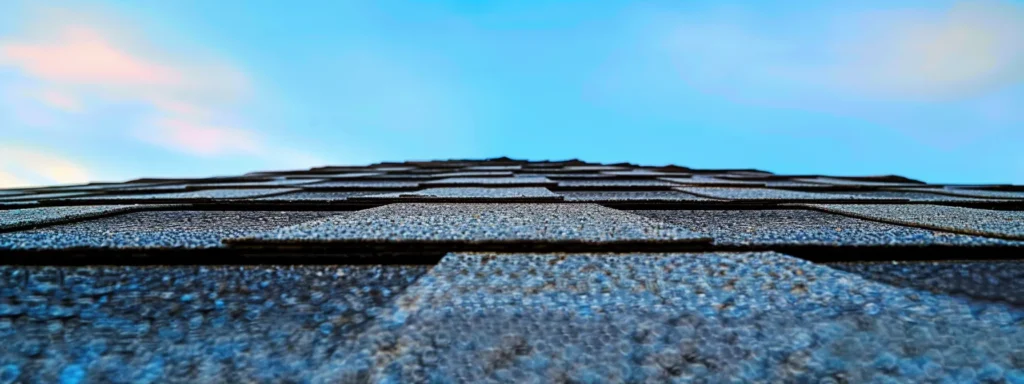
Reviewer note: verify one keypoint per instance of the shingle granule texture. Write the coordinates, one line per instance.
(362, 184)
(1018, 195)
(627, 196)
(27, 217)
(982, 280)
(255, 184)
(1007, 224)
(713, 318)
(862, 183)
(156, 230)
(470, 193)
(187, 324)
(43, 196)
(711, 181)
(204, 195)
(768, 194)
(923, 196)
(470, 222)
(602, 183)
(320, 197)
(496, 181)
(806, 227)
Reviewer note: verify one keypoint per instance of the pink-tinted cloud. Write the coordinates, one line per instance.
(200, 139)
(188, 100)
(82, 55)
(23, 167)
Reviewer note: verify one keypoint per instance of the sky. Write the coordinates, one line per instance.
(114, 90)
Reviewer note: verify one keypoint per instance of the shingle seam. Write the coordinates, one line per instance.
(909, 223)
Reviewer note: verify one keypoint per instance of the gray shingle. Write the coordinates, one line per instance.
(628, 196)
(804, 227)
(43, 196)
(768, 194)
(923, 196)
(155, 230)
(192, 196)
(447, 222)
(979, 280)
(865, 183)
(469, 193)
(615, 183)
(490, 181)
(759, 317)
(1007, 224)
(316, 197)
(711, 181)
(28, 217)
(363, 184)
(214, 324)
(1018, 195)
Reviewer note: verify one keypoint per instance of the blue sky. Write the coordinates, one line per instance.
(106, 91)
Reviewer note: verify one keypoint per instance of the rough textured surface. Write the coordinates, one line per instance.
(12, 218)
(1008, 224)
(209, 194)
(482, 223)
(678, 317)
(711, 181)
(1001, 281)
(156, 230)
(1017, 195)
(864, 183)
(767, 194)
(627, 196)
(622, 183)
(322, 197)
(806, 227)
(501, 181)
(187, 324)
(470, 193)
(362, 184)
(924, 197)
(256, 184)
(43, 196)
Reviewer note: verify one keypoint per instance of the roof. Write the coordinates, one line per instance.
(512, 271)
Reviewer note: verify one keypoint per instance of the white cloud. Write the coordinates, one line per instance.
(22, 167)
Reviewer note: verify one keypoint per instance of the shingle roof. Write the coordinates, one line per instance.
(512, 271)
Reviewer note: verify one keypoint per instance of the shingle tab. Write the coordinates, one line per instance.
(1007, 224)
(761, 317)
(316, 197)
(923, 196)
(768, 194)
(615, 183)
(630, 196)
(470, 193)
(155, 230)
(28, 217)
(193, 196)
(363, 184)
(213, 324)
(1001, 281)
(1018, 195)
(804, 227)
(469, 222)
(42, 196)
(490, 181)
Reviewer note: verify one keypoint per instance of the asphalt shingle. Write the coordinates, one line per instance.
(155, 230)
(29, 217)
(42, 196)
(481, 223)
(213, 324)
(774, 195)
(1017, 195)
(192, 196)
(469, 194)
(363, 184)
(490, 181)
(315, 197)
(1001, 281)
(755, 317)
(984, 222)
(615, 183)
(630, 196)
(805, 227)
